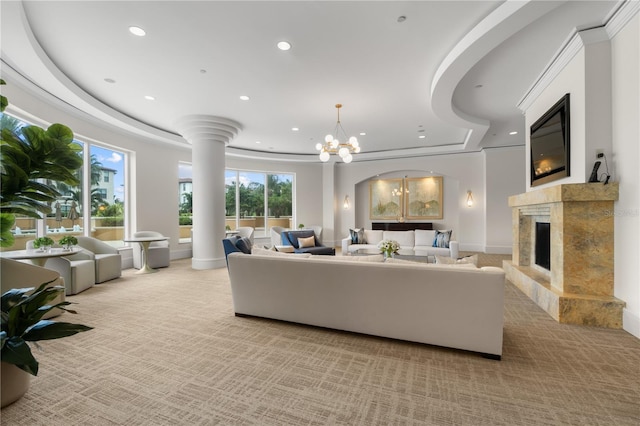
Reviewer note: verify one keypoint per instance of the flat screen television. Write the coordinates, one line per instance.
(550, 144)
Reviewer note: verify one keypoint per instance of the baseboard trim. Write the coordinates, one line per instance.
(631, 323)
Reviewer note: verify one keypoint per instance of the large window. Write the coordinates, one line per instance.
(260, 200)
(185, 201)
(105, 202)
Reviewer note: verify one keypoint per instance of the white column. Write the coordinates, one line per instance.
(208, 136)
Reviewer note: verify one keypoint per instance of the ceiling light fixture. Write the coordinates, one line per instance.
(137, 31)
(150, 98)
(513, 133)
(284, 45)
(244, 98)
(333, 145)
(295, 129)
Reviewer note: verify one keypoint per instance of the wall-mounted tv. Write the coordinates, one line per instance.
(550, 142)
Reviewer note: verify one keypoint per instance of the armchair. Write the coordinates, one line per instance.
(159, 253)
(247, 232)
(78, 270)
(108, 262)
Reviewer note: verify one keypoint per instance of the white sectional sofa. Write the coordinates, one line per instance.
(419, 240)
(443, 305)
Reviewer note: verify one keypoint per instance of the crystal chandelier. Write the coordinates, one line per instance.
(332, 144)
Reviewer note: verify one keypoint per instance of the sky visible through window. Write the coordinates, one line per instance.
(112, 160)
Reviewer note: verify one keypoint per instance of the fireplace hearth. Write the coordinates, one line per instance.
(577, 285)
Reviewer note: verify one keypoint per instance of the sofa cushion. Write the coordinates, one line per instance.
(430, 265)
(290, 238)
(425, 237)
(406, 239)
(266, 252)
(304, 242)
(373, 237)
(442, 238)
(330, 251)
(449, 261)
(357, 236)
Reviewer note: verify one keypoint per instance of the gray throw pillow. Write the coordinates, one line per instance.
(244, 245)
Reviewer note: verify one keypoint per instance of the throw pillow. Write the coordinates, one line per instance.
(449, 261)
(442, 239)
(244, 245)
(306, 242)
(357, 236)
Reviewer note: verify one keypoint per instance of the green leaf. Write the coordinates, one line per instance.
(47, 330)
(17, 352)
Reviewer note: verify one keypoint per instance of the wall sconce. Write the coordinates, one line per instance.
(469, 198)
(347, 204)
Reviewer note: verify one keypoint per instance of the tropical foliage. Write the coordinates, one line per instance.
(31, 160)
(22, 312)
(280, 194)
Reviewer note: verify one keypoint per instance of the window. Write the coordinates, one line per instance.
(250, 194)
(105, 203)
(185, 203)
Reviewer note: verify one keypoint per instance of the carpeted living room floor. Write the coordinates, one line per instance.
(168, 350)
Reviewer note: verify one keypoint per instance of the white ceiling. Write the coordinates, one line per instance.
(396, 80)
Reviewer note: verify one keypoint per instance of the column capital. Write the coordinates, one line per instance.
(200, 128)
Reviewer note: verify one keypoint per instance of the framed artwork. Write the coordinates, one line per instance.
(423, 198)
(385, 198)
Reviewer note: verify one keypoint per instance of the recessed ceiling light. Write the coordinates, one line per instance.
(477, 86)
(421, 137)
(203, 71)
(295, 129)
(150, 98)
(402, 18)
(137, 31)
(284, 45)
(109, 80)
(363, 134)
(244, 98)
(513, 133)
(258, 142)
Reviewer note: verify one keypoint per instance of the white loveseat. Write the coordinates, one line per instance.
(420, 241)
(443, 305)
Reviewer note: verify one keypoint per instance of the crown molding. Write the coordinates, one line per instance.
(573, 44)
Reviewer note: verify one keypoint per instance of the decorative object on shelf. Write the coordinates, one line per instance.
(22, 310)
(388, 247)
(68, 241)
(333, 145)
(43, 243)
(469, 198)
(301, 226)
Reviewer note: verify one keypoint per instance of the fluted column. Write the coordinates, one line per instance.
(208, 136)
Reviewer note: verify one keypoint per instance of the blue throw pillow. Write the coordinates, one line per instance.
(442, 239)
(290, 238)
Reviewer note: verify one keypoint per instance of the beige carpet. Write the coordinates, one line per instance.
(167, 350)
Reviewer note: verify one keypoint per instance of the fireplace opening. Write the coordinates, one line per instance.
(543, 245)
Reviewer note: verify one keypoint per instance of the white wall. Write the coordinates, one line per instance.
(460, 173)
(503, 178)
(625, 49)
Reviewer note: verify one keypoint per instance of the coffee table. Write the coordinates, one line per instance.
(405, 254)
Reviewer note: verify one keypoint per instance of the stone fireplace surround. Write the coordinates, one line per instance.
(579, 287)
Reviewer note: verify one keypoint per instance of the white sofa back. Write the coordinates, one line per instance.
(445, 306)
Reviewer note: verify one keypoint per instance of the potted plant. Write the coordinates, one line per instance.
(43, 243)
(300, 226)
(389, 247)
(22, 311)
(68, 241)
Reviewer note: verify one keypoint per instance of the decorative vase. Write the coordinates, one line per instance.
(15, 383)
